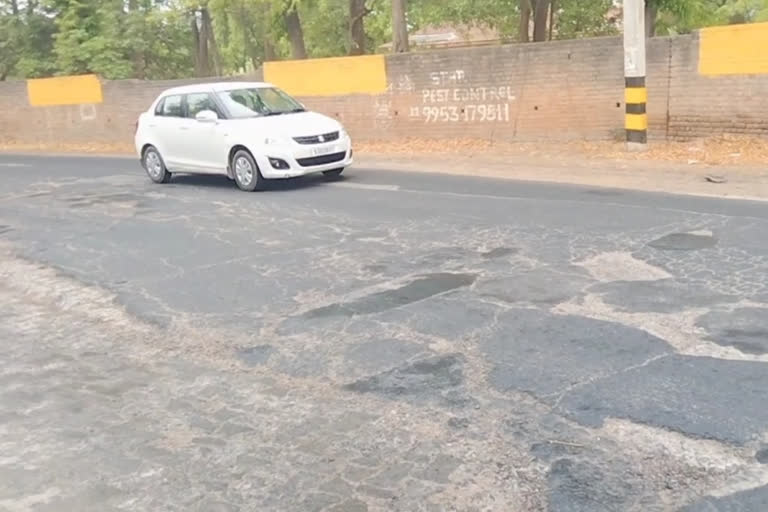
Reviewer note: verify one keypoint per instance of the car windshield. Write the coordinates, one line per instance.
(258, 101)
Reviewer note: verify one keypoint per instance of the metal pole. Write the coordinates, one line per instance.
(635, 93)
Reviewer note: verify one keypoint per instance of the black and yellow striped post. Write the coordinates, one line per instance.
(636, 118)
(635, 95)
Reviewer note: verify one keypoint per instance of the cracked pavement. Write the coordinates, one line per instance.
(388, 342)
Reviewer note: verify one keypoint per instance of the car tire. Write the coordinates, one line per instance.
(333, 173)
(245, 172)
(154, 165)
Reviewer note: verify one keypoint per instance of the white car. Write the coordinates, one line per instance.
(249, 132)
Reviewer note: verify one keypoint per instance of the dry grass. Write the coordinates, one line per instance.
(91, 148)
(724, 150)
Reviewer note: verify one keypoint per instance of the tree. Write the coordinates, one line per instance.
(540, 19)
(742, 11)
(358, 10)
(583, 18)
(210, 39)
(160, 39)
(400, 42)
(681, 16)
(293, 27)
(525, 21)
(89, 38)
(11, 38)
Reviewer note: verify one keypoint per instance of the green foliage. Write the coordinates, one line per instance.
(683, 16)
(583, 18)
(90, 38)
(155, 39)
(326, 27)
(743, 11)
(502, 15)
(26, 41)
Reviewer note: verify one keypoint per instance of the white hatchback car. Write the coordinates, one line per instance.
(249, 132)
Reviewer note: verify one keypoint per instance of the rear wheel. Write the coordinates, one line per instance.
(155, 166)
(246, 172)
(333, 173)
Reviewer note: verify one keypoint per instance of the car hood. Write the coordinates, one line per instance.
(299, 124)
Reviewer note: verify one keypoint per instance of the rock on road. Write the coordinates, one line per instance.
(387, 342)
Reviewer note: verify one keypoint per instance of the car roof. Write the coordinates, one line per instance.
(215, 87)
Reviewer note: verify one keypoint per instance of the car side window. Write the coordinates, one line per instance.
(171, 106)
(197, 102)
(159, 107)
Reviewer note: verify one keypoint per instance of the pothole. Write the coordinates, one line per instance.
(419, 289)
(684, 241)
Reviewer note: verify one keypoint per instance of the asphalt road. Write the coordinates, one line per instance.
(391, 341)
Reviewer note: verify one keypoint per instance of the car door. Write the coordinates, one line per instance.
(204, 142)
(167, 127)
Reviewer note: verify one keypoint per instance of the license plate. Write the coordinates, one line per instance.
(324, 151)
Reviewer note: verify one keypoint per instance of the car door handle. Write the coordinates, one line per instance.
(183, 128)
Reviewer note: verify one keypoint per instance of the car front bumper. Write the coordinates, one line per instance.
(305, 160)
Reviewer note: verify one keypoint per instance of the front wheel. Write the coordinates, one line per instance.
(155, 166)
(246, 172)
(333, 173)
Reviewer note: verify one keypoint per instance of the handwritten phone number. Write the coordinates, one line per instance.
(467, 113)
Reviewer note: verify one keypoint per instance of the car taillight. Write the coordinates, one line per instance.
(136, 128)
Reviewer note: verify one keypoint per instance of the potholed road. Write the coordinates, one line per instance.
(391, 341)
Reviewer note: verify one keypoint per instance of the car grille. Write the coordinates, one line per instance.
(318, 139)
(322, 160)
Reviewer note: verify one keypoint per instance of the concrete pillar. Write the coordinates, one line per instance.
(635, 92)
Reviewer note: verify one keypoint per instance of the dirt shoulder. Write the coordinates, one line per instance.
(723, 167)
(733, 167)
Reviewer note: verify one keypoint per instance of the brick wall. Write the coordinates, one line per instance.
(109, 122)
(702, 105)
(554, 91)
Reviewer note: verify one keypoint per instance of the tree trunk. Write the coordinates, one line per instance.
(399, 27)
(196, 43)
(525, 21)
(14, 7)
(357, 13)
(136, 20)
(212, 47)
(651, 10)
(295, 34)
(551, 18)
(269, 50)
(540, 15)
(203, 60)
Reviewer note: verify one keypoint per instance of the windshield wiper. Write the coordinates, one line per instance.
(281, 112)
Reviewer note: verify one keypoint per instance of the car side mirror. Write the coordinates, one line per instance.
(207, 116)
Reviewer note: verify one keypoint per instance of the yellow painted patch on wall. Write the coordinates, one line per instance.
(64, 90)
(734, 50)
(366, 74)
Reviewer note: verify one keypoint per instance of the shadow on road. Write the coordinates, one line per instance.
(274, 185)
